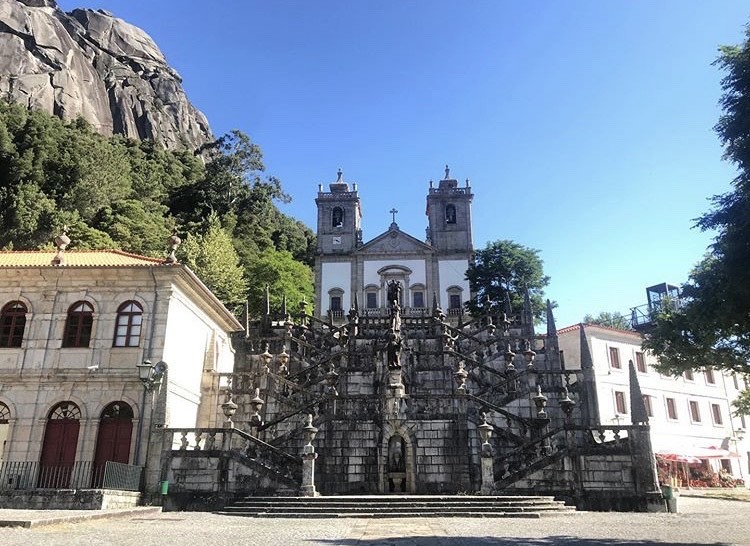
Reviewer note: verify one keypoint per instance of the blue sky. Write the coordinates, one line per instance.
(584, 126)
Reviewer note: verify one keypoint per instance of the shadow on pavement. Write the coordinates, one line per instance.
(499, 541)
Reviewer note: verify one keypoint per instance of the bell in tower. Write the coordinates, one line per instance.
(339, 217)
(449, 216)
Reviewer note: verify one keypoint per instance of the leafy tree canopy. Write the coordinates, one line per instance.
(711, 324)
(285, 277)
(211, 255)
(506, 267)
(112, 192)
(605, 318)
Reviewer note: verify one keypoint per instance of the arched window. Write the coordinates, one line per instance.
(450, 214)
(335, 302)
(12, 324)
(337, 217)
(4, 414)
(78, 325)
(455, 301)
(128, 325)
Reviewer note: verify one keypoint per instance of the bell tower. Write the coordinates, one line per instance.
(339, 218)
(449, 216)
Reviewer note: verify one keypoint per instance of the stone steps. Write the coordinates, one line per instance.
(397, 506)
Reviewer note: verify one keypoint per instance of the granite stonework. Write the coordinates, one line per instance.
(407, 398)
(69, 499)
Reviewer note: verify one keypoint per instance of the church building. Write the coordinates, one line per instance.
(419, 273)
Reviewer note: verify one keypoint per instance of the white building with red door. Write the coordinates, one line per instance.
(71, 338)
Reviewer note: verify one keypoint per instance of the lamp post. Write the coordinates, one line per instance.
(150, 376)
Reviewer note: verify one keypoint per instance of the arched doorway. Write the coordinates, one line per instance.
(113, 439)
(396, 465)
(59, 446)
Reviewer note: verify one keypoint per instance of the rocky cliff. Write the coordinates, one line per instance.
(91, 64)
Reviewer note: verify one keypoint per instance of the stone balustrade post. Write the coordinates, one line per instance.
(307, 488)
(488, 471)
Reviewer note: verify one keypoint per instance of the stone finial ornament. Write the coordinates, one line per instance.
(172, 244)
(61, 242)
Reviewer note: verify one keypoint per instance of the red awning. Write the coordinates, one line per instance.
(688, 454)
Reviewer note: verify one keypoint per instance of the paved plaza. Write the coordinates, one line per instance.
(702, 522)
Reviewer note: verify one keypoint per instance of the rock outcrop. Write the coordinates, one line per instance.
(91, 64)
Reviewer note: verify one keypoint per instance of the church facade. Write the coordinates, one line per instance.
(419, 273)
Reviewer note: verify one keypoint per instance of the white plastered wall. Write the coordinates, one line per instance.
(452, 273)
(336, 275)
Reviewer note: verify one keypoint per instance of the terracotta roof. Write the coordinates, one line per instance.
(575, 327)
(73, 258)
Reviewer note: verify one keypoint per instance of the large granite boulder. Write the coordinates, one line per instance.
(89, 63)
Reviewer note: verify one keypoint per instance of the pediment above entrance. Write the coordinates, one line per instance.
(394, 241)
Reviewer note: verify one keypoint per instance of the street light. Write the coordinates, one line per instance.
(151, 375)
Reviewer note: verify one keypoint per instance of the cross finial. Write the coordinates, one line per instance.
(393, 213)
(447, 172)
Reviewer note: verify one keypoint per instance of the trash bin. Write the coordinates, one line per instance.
(670, 495)
(164, 487)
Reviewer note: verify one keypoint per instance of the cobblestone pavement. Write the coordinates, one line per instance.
(702, 522)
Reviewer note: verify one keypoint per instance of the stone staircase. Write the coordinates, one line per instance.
(394, 506)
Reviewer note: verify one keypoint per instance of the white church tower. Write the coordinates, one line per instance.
(348, 270)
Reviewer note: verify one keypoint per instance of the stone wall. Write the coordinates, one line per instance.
(69, 499)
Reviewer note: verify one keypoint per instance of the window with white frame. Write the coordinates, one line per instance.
(640, 362)
(621, 406)
(614, 358)
(335, 302)
(455, 303)
(716, 414)
(695, 411)
(710, 378)
(688, 375)
(649, 405)
(671, 409)
(371, 296)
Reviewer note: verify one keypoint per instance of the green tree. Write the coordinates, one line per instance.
(605, 318)
(711, 323)
(285, 277)
(506, 267)
(213, 259)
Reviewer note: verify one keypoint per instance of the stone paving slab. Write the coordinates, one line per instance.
(35, 518)
(703, 522)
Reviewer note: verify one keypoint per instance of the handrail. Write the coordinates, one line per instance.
(278, 420)
(498, 409)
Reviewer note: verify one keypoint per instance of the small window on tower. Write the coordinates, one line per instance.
(337, 217)
(372, 300)
(450, 214)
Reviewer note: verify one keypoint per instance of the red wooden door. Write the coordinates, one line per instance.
(112, 443)
(58, 453)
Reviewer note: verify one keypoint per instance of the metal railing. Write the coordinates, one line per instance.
(26, 475)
